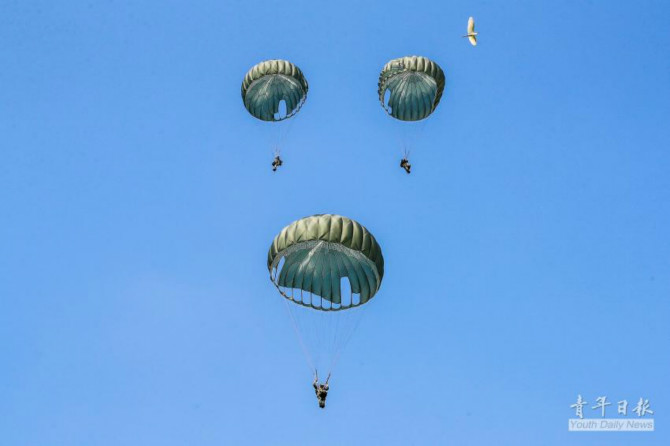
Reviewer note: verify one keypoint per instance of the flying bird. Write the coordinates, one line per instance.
(471, 35)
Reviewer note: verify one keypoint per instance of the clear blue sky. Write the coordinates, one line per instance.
(527, 256)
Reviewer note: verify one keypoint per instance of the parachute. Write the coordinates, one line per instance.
(326, 267)
(410, 87)
(273, 91)
(270, 84)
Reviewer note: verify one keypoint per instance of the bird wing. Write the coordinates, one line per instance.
(471, 25)
(473, 40)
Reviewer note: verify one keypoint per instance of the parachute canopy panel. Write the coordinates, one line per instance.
(317, 252)
(270, 83)
(414, 84)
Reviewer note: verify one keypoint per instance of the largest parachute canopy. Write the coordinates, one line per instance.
(317, 253)
(415, 85)
(269, 83)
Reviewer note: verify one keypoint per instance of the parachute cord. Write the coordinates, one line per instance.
(421, 130)
(422, 126)
(283, 131)
(308, 357)
(348, 336)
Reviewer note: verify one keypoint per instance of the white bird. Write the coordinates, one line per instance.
(471, 35)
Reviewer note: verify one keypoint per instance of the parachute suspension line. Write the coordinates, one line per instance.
(347, 337)
(284, 129)
(409, 137)
(303, 347)
(405, 150)
(334, 339)
(420, 130)
(323, 335)
(314, 332)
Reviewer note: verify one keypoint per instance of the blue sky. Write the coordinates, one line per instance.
(527, 256)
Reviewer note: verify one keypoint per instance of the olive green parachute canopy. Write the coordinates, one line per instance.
(269, 83)
(317, 253)
(415, 84)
